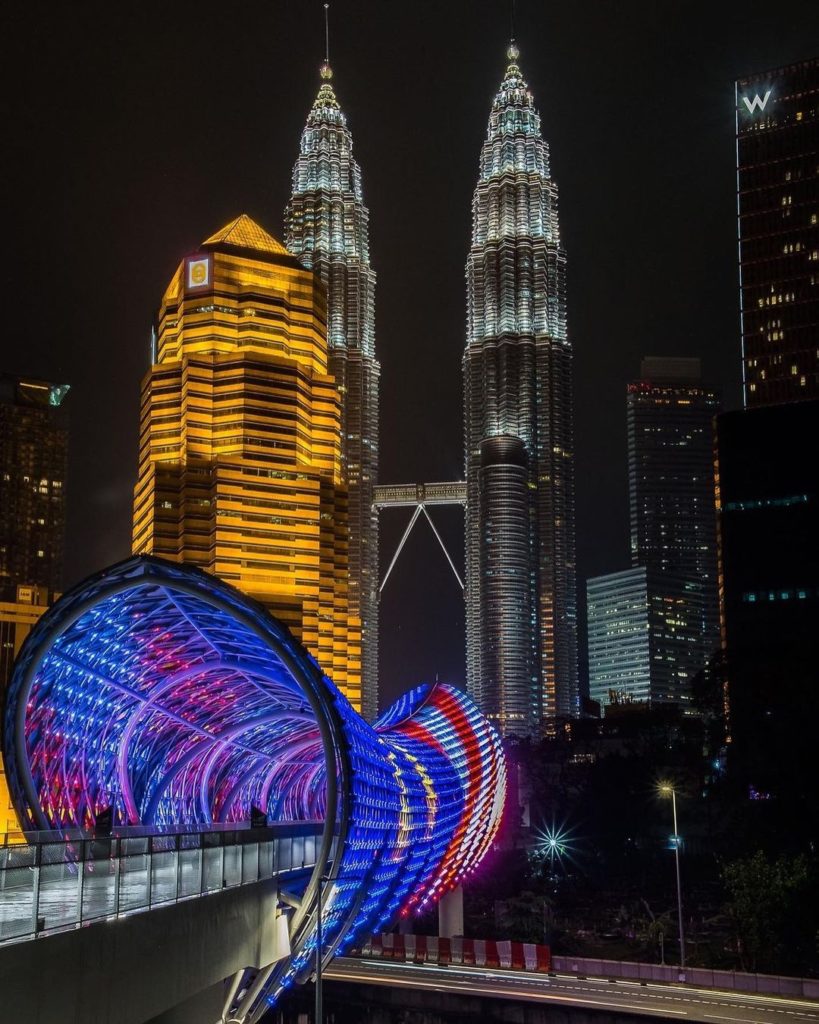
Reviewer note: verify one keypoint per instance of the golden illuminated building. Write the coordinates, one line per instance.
(240, 440)
(17, 619)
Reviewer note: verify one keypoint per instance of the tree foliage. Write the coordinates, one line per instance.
(772, 904)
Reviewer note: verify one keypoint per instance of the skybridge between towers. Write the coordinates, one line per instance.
(418, 497)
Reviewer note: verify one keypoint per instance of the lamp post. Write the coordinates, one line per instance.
(666, 788)
(318, 954)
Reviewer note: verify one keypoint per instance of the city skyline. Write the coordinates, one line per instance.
(175, 198)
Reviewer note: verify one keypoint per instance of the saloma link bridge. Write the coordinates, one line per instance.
(158, 698)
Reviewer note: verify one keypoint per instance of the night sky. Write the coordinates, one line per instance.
(132, 132)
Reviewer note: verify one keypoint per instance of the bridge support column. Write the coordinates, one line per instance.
(204, 1006)
(451, 914)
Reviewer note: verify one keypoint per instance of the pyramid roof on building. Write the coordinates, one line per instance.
(245, 233)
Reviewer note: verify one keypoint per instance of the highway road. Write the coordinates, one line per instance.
(660, 1001)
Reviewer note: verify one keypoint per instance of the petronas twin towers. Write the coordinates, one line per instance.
(519, 456)
(327, 227)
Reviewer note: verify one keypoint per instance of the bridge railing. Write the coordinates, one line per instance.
(59, 881)
(702, 977)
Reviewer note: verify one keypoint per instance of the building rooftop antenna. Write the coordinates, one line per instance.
(326, 70)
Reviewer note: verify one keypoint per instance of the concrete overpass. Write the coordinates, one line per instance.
(491, 994)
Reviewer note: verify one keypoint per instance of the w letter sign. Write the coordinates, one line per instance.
(757, 101)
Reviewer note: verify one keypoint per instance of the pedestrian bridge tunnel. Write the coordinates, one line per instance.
(163, 696)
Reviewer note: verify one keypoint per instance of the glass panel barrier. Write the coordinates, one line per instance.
(232, 866)
(213, 868)
(60, 885)
(190, 872)
(68, 880)
(250, 862)
(164, 868)
(134, 878)
(99, 881)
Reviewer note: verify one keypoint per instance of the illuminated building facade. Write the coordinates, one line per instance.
(617, 630)
(240, 443)
(670, 423)
(521, 617)
(17, 618)
(777, 126)
(33, 470)
(642, 626)
(178, 701)
(327, 227)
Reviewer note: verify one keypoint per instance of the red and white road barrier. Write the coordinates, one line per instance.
(429, 949)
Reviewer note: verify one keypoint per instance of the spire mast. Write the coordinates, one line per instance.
(326, 33)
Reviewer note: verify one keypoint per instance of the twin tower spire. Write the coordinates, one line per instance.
(519, 457)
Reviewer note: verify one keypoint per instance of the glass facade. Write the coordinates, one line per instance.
(618, 637)
(240, 469)
(518, 384)
(160, 693)
(642, 628)
(777, 126)
(327, 227)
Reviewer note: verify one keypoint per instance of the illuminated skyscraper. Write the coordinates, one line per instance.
(521, 622)
(327, 227)
(240, 442)
(777, 124)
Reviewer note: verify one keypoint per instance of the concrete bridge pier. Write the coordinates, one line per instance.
(451, 914)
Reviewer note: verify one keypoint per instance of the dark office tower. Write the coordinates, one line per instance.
(327, 227)
(518, 384)
(769, 573)
(33, 466)
(670, 416)
(777, 124)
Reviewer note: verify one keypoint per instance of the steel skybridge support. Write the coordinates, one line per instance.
(418, 497)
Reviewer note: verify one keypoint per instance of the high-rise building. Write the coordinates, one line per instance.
(327, 227)
(520, 613)
(777, 128)
(240, 441)
(768, 477)
(618, 637)
(670, 423)
(33, 469)
(642, 625)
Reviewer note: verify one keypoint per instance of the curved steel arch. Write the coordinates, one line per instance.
(165, 694)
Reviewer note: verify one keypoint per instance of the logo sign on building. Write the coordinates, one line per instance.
(757, 102)
(198, 272)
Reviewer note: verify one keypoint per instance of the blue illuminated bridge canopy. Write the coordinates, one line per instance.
(164, 695)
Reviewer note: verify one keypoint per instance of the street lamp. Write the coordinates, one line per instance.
(319, 943)
(666, 789)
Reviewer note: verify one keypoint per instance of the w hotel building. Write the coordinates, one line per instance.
(778, 208)
(240, 440)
